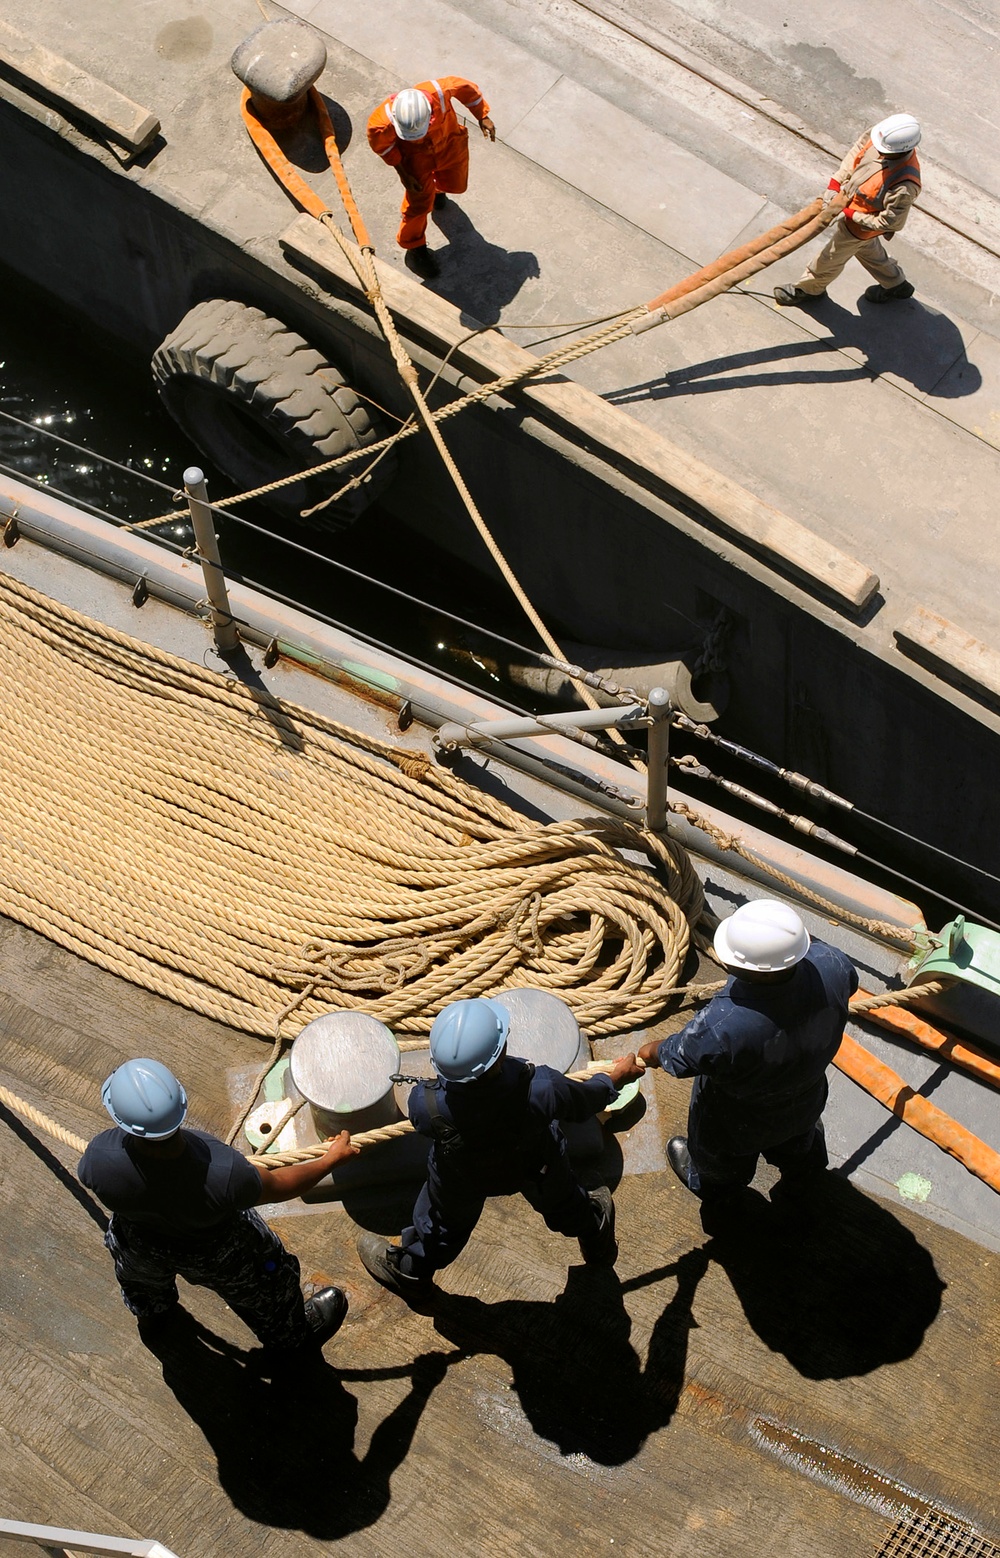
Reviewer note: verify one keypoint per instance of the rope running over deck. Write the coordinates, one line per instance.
(254, 861)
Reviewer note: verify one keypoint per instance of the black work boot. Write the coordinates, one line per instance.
(600, 1248)
(422, 261)
(325, 1314)
(679, 1159)
(789, 295)
(380, 1258)
(897, 294)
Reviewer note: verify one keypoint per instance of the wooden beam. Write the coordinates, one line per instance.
(952, 652)
(57, 79)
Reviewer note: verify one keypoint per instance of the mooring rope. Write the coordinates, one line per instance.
(246, 857)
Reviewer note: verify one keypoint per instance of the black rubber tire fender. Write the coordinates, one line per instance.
(261, 403)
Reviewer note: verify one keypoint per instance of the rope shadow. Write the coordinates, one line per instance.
(48, 1158)
(579, 1379)
(890, 1126)
(910, 341)
(312, 1480)
(707, 378)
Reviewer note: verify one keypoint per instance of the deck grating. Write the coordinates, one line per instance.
(932, 1535)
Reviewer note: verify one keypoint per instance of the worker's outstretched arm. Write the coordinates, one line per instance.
(283, 1184)
(572, 1100)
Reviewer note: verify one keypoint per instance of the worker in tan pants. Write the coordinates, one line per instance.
(881, 177)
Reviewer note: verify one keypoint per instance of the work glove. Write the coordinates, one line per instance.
(833, 188)
(488, 128)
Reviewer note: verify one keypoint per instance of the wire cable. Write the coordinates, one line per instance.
(71, 497)
(355, 573)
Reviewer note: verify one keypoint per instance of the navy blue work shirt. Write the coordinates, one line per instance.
(186, 1196)
(759, 1053)
(492, 1114)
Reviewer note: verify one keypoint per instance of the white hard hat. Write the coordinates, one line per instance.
(763, 937)
(898, 133)
(410, 112)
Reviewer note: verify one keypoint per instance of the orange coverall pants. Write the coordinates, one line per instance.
(442, 171)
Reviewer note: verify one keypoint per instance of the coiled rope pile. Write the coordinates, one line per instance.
(251, 860)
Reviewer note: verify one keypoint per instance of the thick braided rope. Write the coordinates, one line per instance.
(50, 1127)
(247, 858)
(41, 1121)
(873, 1003)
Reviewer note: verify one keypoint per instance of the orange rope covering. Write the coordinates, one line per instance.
(735, 257)
(279, 163)
(300, 191)
(333, 157)
(917, 1112)
(902, 1020)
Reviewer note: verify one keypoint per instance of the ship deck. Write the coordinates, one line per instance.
(799, 1390)
(786, 1390)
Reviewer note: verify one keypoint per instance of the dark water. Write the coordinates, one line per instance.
(65, 380)
(59, 377)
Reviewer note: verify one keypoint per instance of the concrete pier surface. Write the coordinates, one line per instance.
(631, 148)
(876, 428)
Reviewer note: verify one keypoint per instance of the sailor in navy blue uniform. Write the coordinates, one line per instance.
(759, 1053)
(494, 1126)
(184, 1204)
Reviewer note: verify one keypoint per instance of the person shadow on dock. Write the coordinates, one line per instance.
(479, 277)
(834, 1282)
(580, 1381)
(840, 1287)
(283, 1432)
(927, 351)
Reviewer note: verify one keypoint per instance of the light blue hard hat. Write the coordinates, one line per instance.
(145, 1099)
(467, 1037)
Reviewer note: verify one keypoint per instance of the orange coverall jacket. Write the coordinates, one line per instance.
(439, 162)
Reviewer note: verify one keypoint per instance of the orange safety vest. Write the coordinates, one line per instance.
(444, 129)
(870, 196)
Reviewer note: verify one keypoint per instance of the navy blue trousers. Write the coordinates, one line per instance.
(715, 1172)
(245, 1263)
(451, 1204)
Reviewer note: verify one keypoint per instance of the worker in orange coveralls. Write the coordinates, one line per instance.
(418, 133)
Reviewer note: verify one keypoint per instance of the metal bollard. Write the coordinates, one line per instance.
(207, 547)
(657, 755)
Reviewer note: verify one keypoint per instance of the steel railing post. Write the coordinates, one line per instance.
(658, 753)
(207, 548)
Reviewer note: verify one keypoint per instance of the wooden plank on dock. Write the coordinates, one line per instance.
(952, 652)
(75, 89)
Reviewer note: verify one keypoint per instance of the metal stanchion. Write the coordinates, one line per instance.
(657, 755)
(207, 547)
